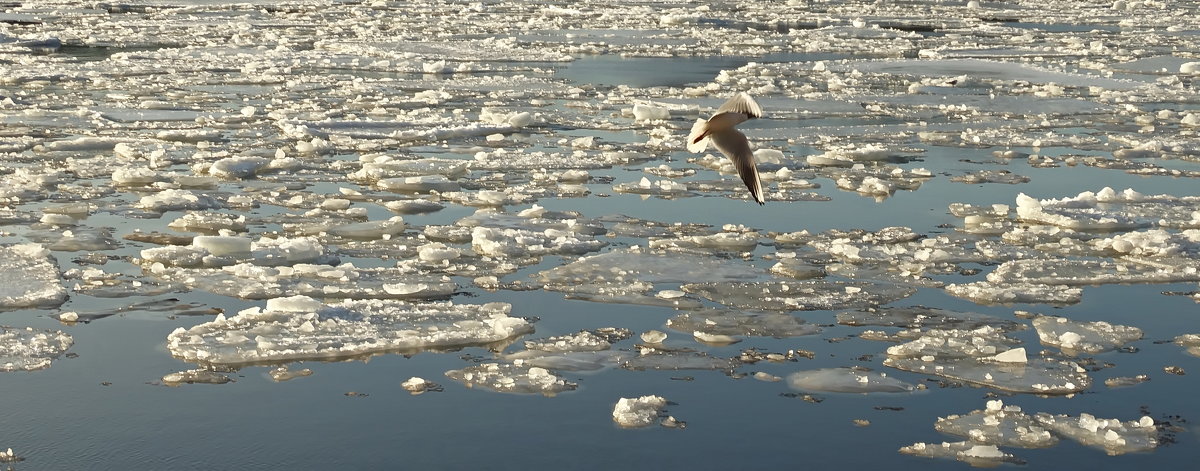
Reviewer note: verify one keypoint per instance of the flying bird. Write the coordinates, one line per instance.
(731, 142)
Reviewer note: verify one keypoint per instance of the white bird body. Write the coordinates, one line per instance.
(719, 129)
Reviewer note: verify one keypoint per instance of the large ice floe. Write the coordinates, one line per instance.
(302, 328)
(988, 357)
(1001, 425)
(29, 277)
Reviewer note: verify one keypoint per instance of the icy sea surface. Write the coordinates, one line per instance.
(448, 235)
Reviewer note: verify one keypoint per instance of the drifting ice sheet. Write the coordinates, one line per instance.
(29, 278)
(1075, 337)
(799, 295)
(848, 380)
(1000, 425)
(756, 324)
(302, 328)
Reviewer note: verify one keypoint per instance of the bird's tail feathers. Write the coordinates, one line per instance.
(698, 138)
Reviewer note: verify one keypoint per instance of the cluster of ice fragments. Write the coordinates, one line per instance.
(1001, 425)
(29, 349)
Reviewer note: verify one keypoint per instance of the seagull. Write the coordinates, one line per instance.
(731, 142)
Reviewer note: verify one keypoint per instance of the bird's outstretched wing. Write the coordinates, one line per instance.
(734, 145)
(741, 103)
(698, 138)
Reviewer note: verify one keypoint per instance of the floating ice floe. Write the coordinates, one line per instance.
(986, 292)
(1000, 425)
(987, 357)
(984, 456)
(526, 243)
(31, 349)
(1075, 337)
(29, 277)
(799, 295)
(283, 373)
(250, 281)
(636, 412)
(925, 318)
(512, 378)
(1111, 435)
(652, 359)
(847, 380)
(302, 328)
(1191, 342)
(717, 322)
(197, 376)
(629, 276)
(416, 385)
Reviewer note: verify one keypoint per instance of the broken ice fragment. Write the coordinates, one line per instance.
(848, 380)
(998, 425)
(717, 322)
(799, 295)
(518, 379)
(31, 349)
(282, 374)
(198, 376)
(1191, 342)
(986, 456)
(415, 385)
(1037, 376)
(29, 277)
(1016, 355)
(985, 292)
(1075, 337)
(1111, 435)
(301, 328)
(638, 412)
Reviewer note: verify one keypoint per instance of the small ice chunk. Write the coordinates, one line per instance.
(416, 385)
(649, 112)
(653, 336)
(1016, 355)
(198, 376)
(282, 374)
(223, 245)
(638, 412)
